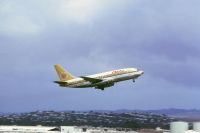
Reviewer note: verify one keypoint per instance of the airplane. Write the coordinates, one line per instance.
(98, 81)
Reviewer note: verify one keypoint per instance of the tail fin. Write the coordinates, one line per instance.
(62, 73)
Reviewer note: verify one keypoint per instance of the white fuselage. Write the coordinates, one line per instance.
(108, 78)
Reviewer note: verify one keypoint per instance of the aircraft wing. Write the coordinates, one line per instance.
(92, 80)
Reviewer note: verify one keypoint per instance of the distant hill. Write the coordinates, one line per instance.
(172, 112)
(118, 118)
(132, 120)
(187, 114)
(177, 113)
(180, 114)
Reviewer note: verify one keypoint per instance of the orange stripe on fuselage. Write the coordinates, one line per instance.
(111, 74)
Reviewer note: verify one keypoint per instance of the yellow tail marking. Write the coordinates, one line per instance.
(62, 73)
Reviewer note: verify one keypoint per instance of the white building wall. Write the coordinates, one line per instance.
(63, 129)
(26, 129)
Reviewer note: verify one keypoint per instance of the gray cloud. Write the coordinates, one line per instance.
(160, 37)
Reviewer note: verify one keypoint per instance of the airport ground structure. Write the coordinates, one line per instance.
(70, 129)
(61, 129)
(175, 127)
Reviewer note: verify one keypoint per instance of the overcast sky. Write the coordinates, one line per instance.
(161, 37)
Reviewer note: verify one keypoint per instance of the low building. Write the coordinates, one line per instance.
(28, 129)
(149, 131)
(62, 129)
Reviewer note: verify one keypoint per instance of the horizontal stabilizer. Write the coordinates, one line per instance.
(92, 80)
(61, 83)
